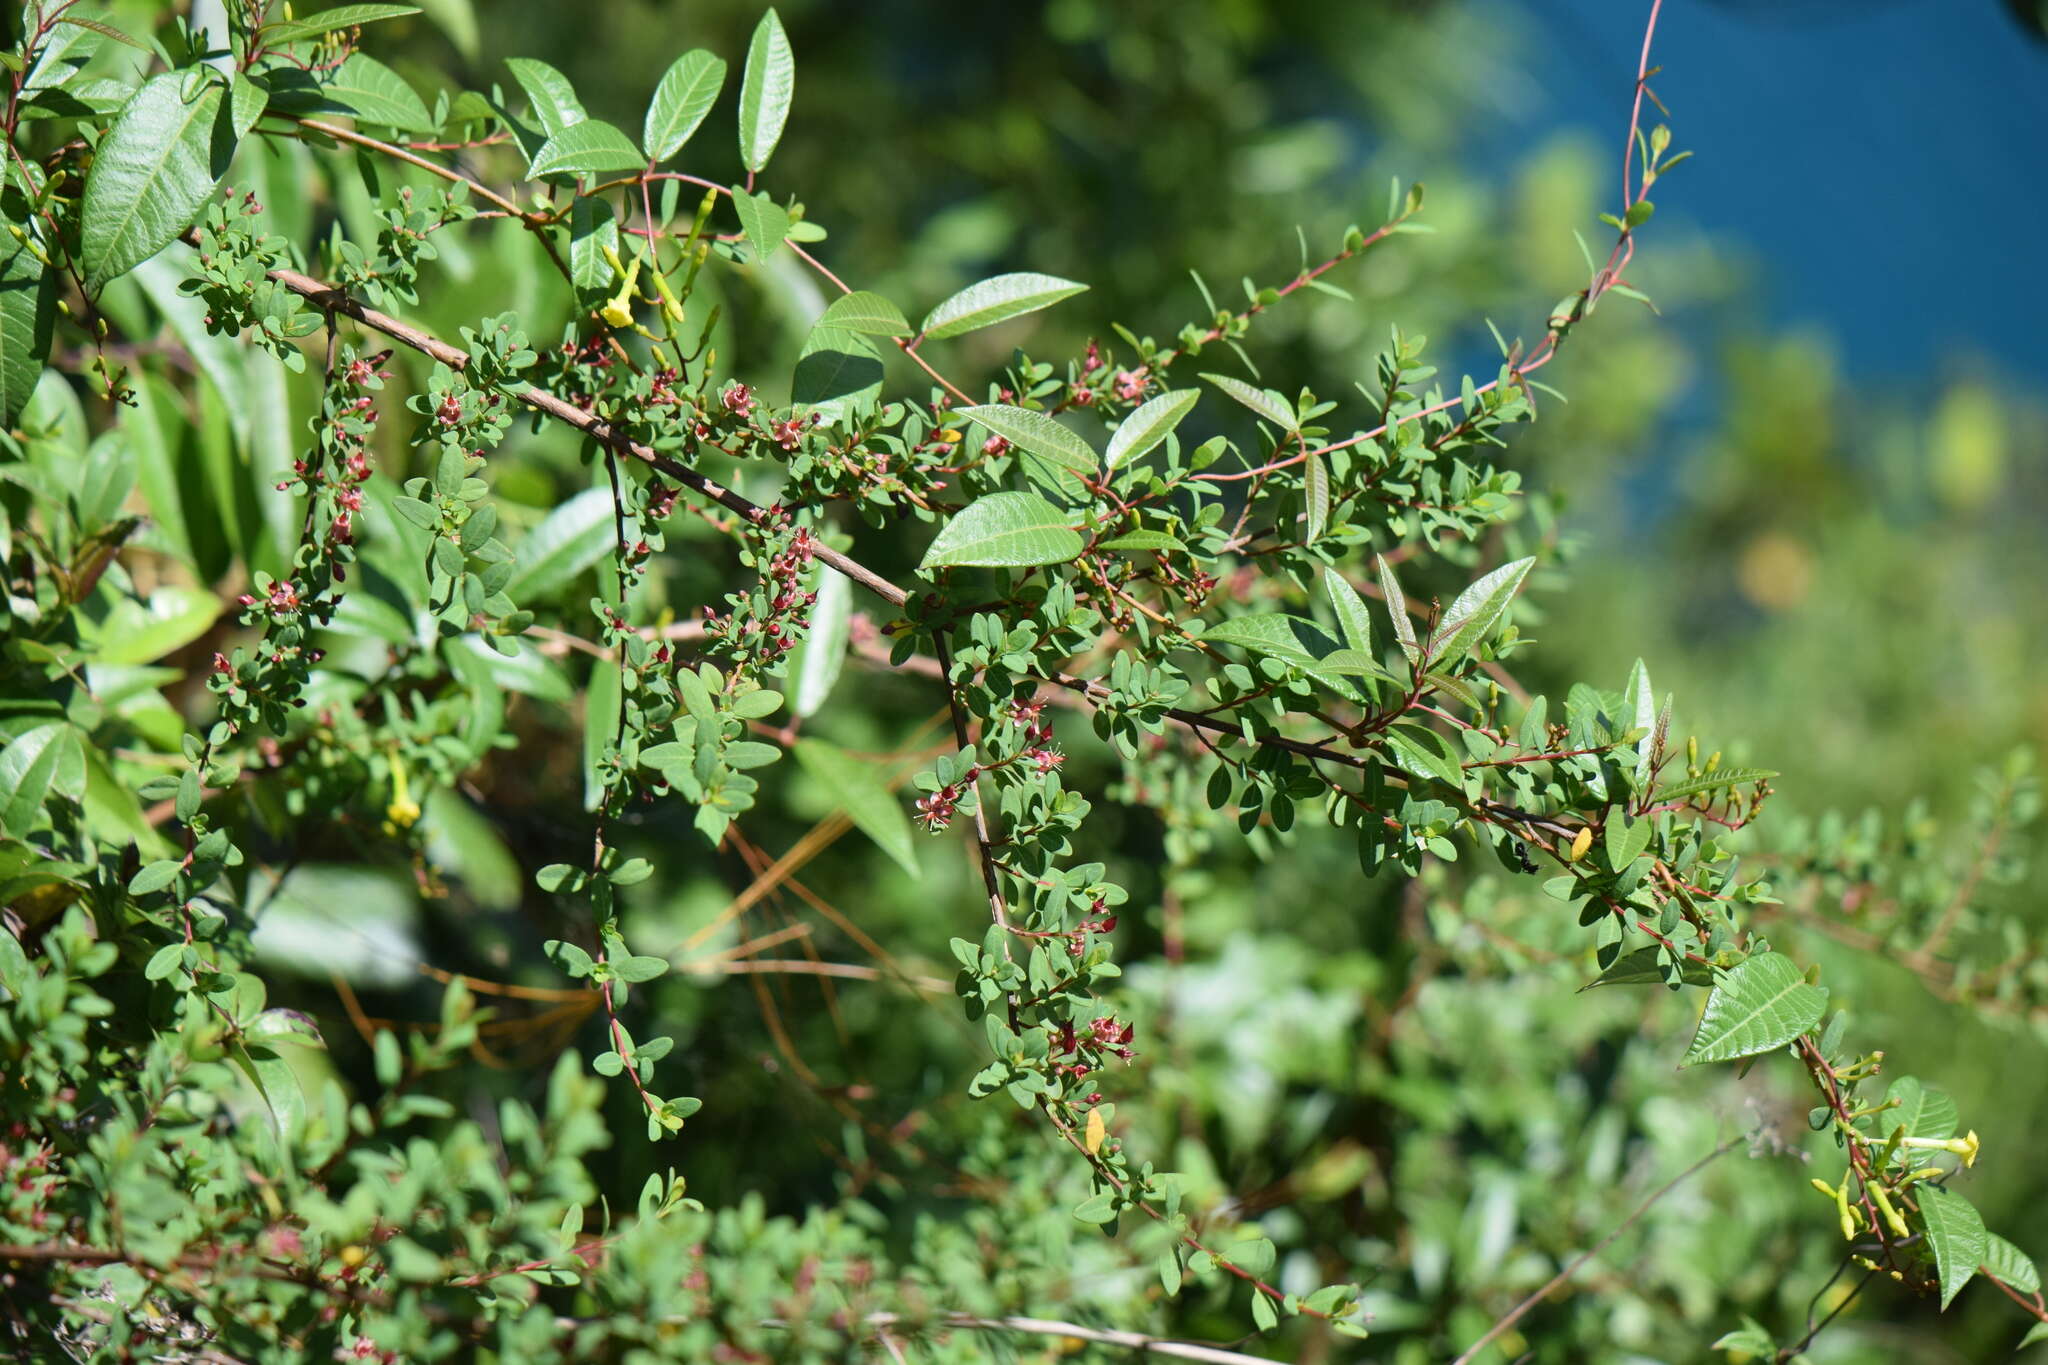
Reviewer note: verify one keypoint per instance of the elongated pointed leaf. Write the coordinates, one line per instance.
(687, 91)
(328, 20)
(151, 175)
(1265, 402)
(1477, 610)
(1397, 610)
(1005, 530)
(601, 702)
(1290, 639)
(592, 228)
(1142, 540)
(376, 94)
(35, 763)
(573, 537)
(1920, 1111)
(997, 300)
(859, 790)
(28, 311)
(1762, 1003)
(1316, 493)
(1149, 424)
(2004, 1261)
(765, 92)
(814, 666)
(1643, 968)
(1036, 434)
(867, 313)
(1726, 777)
(1956, 1236)
(1353, 620)
(548, 91)
(592, 147)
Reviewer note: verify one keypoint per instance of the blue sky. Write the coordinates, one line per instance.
(1883, 159)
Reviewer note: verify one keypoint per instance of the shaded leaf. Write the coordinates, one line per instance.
(858, 789)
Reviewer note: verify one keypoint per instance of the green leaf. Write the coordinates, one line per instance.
(591, 147)
(378, 95)
(815, 665)
(1473, 614)
(46, 759)
(868, 313)
(1263, 1316)
(765, 91)
(1098, 1210)
(1420, 752)
(838, 373)
(1921, 1111)
(574, 536)
(1750, 1338)
(1290, 639)
(1726, 777)
(1005, 530)
(1956, 1236)
(601, 701)
(142, 632)
(592, 228)
(687, 91)
(1353, 620)
(549, 94)
(1036, 434)
(996, 300)
(28, 311)
(857, 788)
(1761, 1003)
(1265, 402)
(2004, 1261)
(151, 175)
(1626, 838)
(1316, 493)
(1149, 424)
(327, 21)
(765, 222)
(1397, 610)
(1641, 968)
(1142, 540)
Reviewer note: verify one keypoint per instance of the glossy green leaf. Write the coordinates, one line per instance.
(378, 95)
(687, 91)
(857, 788)
(297, 30)
(592, 228)
(2004, 1261)
(1761, 1003)
(548, 93)
(1005, 530)
(765, 92)
(996, 300)
(1037, 434)
(28, 311)
(1921, 1111)
(1714, 781)
(1475, 612)
(152, 173)
(1142, 540)
(1956, 1236)
(1265, 402)
(1290, 639)
(591, 147)
(1353, 621)
(1148, 424)
(1397, 610)
(46, 759)
(869, 313)
(1641, 967)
